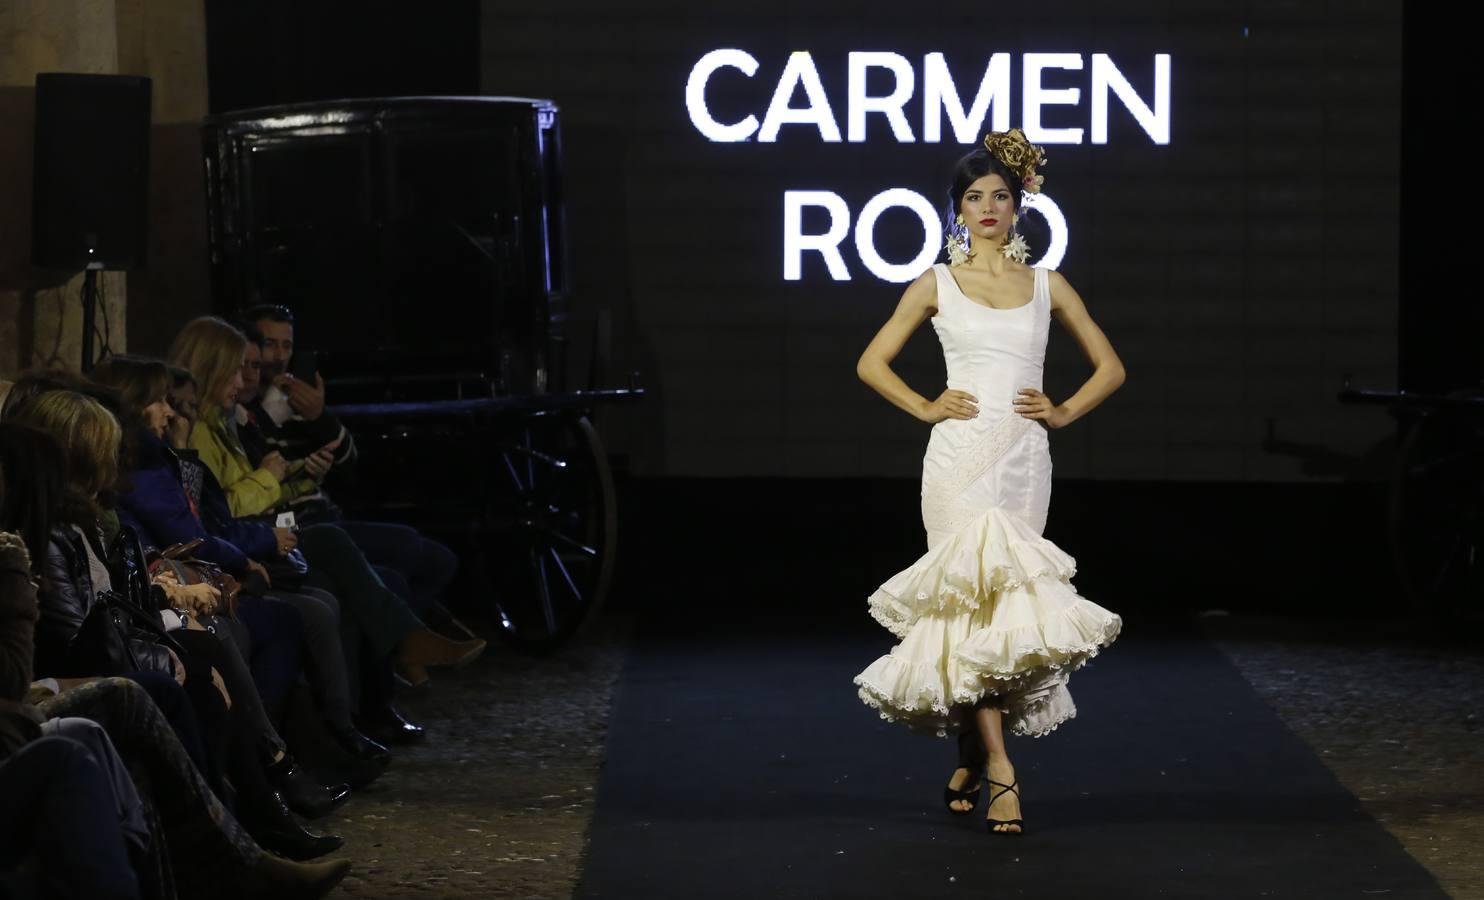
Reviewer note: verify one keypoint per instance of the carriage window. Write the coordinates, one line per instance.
(305, 183)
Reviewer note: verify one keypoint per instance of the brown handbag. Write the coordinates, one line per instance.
(188, 571)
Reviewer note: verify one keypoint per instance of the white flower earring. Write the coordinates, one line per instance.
(1015, 246)
(958, 241)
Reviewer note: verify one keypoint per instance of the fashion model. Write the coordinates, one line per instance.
(989, 622)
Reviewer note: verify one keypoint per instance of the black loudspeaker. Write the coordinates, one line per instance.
(90, 181)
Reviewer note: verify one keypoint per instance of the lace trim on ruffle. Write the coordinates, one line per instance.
(959, 593)
(1064, 660)
(925, 706)
(942, 724)
(1031, 712)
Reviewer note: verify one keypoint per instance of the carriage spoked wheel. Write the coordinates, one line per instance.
(552, 563)
(1436, 513)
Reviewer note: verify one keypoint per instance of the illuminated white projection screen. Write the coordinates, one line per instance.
(750, 188)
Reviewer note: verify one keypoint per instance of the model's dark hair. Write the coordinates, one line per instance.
(974, 166)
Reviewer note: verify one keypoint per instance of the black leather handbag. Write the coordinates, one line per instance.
(101, 645)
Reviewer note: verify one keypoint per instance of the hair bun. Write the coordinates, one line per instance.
(1019, 156)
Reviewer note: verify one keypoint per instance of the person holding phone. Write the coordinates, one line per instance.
(292, 393)
(413, 565)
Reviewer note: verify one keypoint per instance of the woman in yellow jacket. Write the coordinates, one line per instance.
(250, 491)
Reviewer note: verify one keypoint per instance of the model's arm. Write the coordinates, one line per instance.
(918, 302)
(1108, 373)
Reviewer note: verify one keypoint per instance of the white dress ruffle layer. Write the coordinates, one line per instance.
(991, 611)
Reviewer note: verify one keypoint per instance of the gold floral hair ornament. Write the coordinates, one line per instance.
(1019, 156)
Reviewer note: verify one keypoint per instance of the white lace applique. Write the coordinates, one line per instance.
(941, 510)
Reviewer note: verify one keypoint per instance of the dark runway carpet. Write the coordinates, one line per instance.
(741, 764)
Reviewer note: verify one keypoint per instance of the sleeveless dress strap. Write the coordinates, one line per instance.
(1041, 297)
(945, 285)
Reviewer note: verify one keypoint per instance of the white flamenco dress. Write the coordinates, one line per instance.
(990, 608)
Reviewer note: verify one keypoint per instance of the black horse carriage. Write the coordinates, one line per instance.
(420, 244)
(1435, 498)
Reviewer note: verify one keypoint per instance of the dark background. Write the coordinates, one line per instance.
(1292, 233)
(1241, 272)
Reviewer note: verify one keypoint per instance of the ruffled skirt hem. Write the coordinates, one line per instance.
(989, 614)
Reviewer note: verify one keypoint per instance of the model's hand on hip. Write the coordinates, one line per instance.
(951, 405)
(1033, 404)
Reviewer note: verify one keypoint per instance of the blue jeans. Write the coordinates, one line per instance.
(277, 649)
(57, 804)
(428, 566)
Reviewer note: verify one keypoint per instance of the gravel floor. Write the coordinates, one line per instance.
(497, 802)
(1395, 711)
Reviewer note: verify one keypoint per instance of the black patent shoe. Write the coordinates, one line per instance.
(356, 744)
(386, 724)
(271, 823)
(302, 793)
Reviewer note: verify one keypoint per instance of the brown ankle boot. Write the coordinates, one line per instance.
(415, 676)
(282, 879)
(428, 648)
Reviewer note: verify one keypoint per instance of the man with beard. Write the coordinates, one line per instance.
(292, 417)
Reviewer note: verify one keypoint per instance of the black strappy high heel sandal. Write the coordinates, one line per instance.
(991, 823)
(969, 797)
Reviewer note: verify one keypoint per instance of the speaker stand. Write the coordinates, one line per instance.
(89, 314)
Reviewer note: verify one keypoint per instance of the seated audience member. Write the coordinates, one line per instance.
(54, 788)
(32, 495)
(294, 421)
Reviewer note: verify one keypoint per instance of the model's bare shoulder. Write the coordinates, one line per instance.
(921, 295)
(1063, 295)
